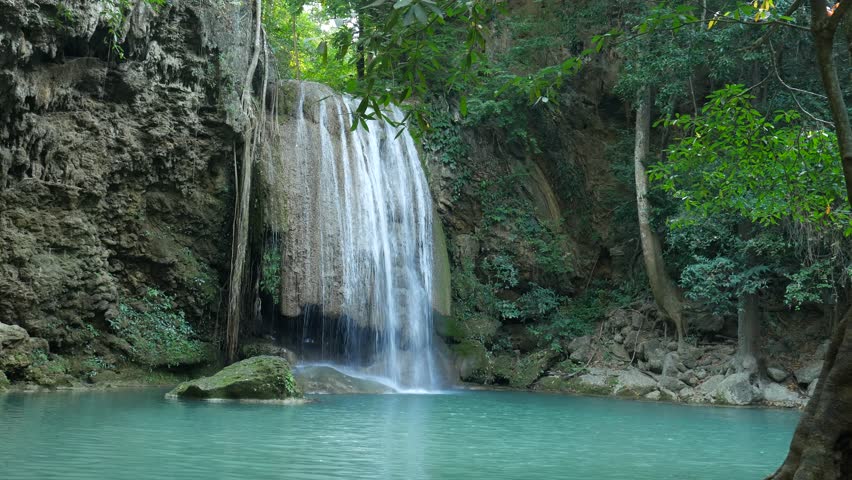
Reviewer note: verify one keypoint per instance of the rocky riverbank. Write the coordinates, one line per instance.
(629, 358)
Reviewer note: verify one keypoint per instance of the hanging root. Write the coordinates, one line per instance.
(252, 135)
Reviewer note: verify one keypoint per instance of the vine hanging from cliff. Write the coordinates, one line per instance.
(253, 134)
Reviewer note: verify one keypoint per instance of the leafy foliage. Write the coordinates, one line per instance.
(157, 331)
(114, 13)
(732, 158)
(270, 271)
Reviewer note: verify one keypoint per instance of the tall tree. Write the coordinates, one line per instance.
(822, 445)
(666, 294)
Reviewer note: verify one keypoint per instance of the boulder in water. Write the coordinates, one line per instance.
(257, 378)
(323, 379)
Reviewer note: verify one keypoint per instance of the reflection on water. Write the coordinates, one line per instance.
(470, 435)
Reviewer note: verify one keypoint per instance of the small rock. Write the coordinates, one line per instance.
(672, 346)
(632, 381)
(775, 394)
(689, 356)
(580, 343)
(104, 377)
(700, 373)
(709, 386)
(687, 394)
(737, 389)
(777, 374)
(670, 364)
(668, 395)
(810, 372)
(655, 395)
(671, 383)
(637, 321)
(812, 388)
(618, 338)
(654, 354)
(619, 351)
(11, 334)
(688, 378)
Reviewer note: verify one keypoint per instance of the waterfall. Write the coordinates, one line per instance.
(355, 215)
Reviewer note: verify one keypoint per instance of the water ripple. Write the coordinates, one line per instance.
(470, 435)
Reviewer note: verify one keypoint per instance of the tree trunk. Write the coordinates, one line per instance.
(748, 358)
(822, 445)
(847, 29)
(361, 61)
(666, 294)
(748, 335)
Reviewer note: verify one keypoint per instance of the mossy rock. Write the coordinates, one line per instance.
(4, 382)
(259, 347)
(257, 378)
(471, 360)
(521, 372)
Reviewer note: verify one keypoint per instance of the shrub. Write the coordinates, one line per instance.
(157, 331)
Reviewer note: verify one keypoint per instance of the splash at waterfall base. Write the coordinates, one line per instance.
(344, 263)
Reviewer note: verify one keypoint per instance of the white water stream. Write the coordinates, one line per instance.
(358, 239)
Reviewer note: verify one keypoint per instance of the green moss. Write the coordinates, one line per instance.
(442, 302)
(257, 378)
(522, 371)
(49, 373)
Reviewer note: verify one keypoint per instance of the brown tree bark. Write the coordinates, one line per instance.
(666, 294)
(822, 445)
(748, 335)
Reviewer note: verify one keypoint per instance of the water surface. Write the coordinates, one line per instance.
(136, 434)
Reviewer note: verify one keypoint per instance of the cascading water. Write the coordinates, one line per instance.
(355, 213)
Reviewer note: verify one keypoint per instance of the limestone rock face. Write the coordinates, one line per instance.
(113, 175)
(256, 378)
